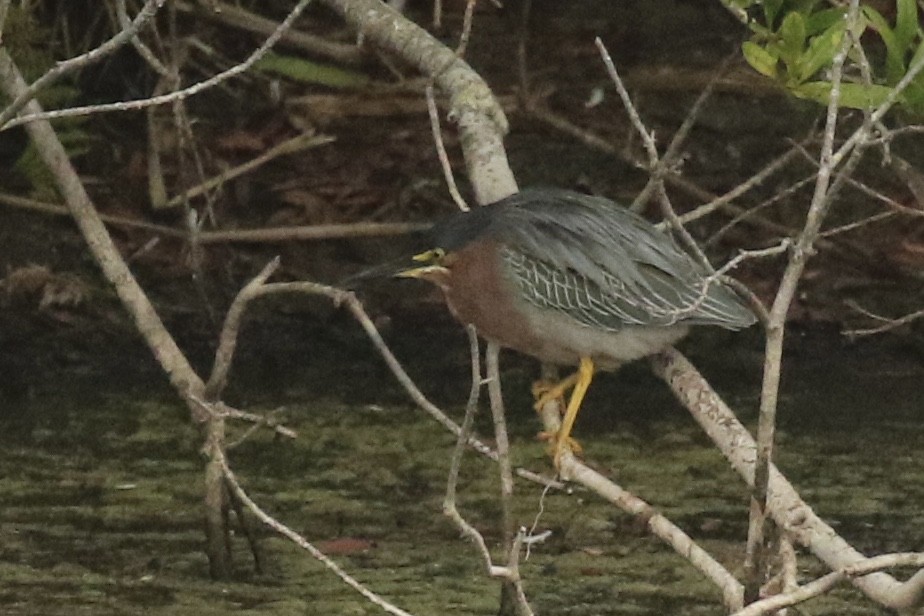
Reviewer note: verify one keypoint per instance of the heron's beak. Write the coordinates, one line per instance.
(425, 265)
(431, 266)
(424, 272)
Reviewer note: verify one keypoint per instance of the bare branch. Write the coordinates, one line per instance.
(789, 511)
(294, 145)
(824, 584)
(340, 297)
(239, 17)
(481, 121)
(156, 65)
(513, 542)
(162, 345)
(229, 333)
(148, 11)
(821, 200)
(311, 232)
(265, 235)
(466, 27)
(172, 96)
(647, 138)
(455, 462)
(221, 410)
(888, 325)
(752, 182)
(303, 543)
(864, 134)
(573, 469)
(441, 151)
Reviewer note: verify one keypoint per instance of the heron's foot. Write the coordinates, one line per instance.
(548, 391)
(558, 446)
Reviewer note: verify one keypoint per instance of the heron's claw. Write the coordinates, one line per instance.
(547, 391)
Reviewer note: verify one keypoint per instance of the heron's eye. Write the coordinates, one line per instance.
(433, 256)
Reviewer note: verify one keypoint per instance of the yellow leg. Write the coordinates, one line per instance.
(583, 376)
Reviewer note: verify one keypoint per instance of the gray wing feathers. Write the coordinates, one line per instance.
(611, 268)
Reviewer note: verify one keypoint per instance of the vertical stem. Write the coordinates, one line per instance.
(509, 591)
(99, 242)
(754, 563)
(503, 443)
(182, 376)
(216, 503)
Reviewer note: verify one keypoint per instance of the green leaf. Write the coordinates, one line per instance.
(306, 71)
(914, 97)
(906, 24)
(918, 56)
(824, 19)
(853, 95)
(803, 7)
(771, 10)
(914, 93)
(821, 50)
(760, 59)
(895, 66)
(793, 34)
(760, 31)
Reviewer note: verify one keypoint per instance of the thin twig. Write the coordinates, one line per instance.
(863, 134)
(466, 28)
(242, 19)
(173, 96)
(657, 167)
(265, 235)
(825, 583)
(502, 440)
(4, 9)
(671, 158)
(741, 189)
(513, 542)
(146, 13)
(522, 50)
(851, 226)
(745, 215)
(441, 150)
(888, 325)
(455, 462)
(220, 409)
(294, 145)
(647, 138)
(156, 65)
(311, 232)
(437, 14)
(754, 563)
(886, 200)
(341, 297)
(301, 542)
(227, 341)
(657, 524)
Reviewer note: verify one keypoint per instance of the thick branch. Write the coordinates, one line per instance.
(482, 123)
(659, 526)
(784, 505)
(49, 148)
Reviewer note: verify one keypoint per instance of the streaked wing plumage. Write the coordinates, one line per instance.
(599, 263)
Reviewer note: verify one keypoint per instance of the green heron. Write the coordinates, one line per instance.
(572, 279)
